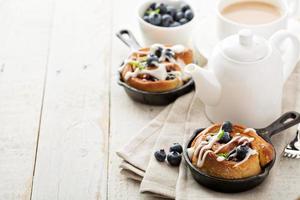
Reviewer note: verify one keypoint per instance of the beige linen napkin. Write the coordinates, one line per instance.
(176, 123)
(168, 127)
(134, 154)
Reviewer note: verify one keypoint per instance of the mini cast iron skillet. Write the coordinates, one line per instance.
(151, 98)
(286, 121)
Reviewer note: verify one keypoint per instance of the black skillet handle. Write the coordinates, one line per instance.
(127, 37)
(284, 122)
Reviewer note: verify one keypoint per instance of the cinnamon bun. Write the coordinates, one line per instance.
(231, 154)
(158, 68)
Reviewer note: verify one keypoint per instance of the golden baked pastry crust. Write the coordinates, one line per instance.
(227, 169)
(159, 85)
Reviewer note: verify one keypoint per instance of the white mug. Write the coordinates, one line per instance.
(227, 27)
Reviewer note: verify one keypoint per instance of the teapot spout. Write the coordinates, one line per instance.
(208, 88)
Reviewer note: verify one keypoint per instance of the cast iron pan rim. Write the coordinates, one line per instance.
(263, 174)
(122, 83)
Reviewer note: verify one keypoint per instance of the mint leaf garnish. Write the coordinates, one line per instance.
(134, 63)
(225, 155)
(156, 11)
(137, 64)
(141, 67)
(221, 134)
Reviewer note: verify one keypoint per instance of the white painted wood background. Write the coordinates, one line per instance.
(62, 115)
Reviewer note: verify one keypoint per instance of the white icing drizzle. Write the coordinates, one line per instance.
(132, 74)
(203, 148)
(190, 152)
(178, 48)
(154, 47)
(221, 158)
(200, 161)
(243, 138)
(181, 64)
(249, 130)
(234, 154)
(160, 72)
(124, 64)
(225, 145)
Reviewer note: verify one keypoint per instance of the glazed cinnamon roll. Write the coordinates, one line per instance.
(230, 151)
(158, 68)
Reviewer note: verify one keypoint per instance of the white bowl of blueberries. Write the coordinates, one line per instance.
(166, 22)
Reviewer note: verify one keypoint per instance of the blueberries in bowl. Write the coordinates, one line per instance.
(167, 20)
(178, 16)
(154, 18)
(161, 7)
(160, 14)
(185, 7)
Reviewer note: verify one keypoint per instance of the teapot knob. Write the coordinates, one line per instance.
(246, 37)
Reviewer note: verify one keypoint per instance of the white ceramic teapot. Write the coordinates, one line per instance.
(245, 77)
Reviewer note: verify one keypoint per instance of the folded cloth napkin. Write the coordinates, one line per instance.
(176, 123)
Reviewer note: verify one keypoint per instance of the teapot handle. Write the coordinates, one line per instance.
(290, 55)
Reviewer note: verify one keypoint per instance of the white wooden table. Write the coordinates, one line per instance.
(62, 115)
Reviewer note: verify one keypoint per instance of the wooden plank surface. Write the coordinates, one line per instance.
(72, 149)
(24, 37)
(62, 114)
(127, 117)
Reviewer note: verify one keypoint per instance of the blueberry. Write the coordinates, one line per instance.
(183, 21)
(152, 6)
(231, 154)
(170, 77)
(176, 147)
(241, 152)
(174, 24)
(155, 18)
(174, 158)
(179, 15)
(162, 8)
(184, 7)
(169, 53)
(152, 59)
(152, 78)
(171, 11)
(146, 18)
(188, 14)
(160, 155)
(225, 138)
(158, 52)
(227, 126)
(167, 20)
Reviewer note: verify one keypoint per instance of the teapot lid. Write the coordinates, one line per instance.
(245, 47)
